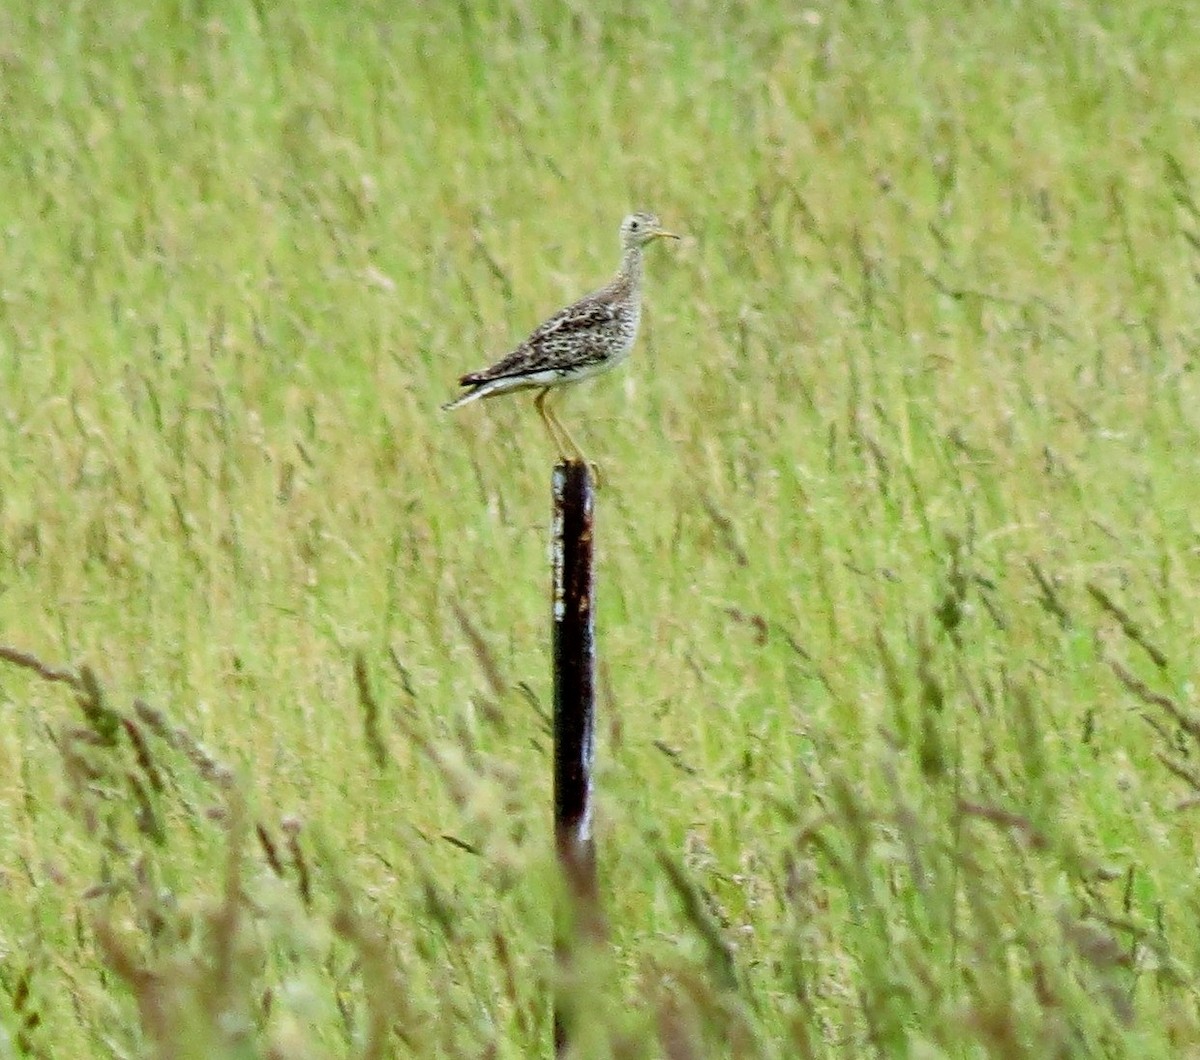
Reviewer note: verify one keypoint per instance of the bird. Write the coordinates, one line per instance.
(586, 338)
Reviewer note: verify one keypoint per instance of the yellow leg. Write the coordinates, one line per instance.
(562, 428)
(549, 420)
(558, 431)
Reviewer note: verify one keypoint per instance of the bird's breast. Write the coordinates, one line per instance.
(627, 329)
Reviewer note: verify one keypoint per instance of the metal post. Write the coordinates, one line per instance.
(574, 712)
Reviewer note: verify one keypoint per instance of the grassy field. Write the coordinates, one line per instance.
(899, 575)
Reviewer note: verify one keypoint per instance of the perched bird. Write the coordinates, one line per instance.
(588, 337)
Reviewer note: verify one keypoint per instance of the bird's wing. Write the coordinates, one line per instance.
(566, 339)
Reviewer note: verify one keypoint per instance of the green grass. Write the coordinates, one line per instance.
(897, 554)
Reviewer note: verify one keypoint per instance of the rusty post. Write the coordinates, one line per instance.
(574, 713)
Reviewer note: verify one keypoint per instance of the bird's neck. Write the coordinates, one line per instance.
(631, 266)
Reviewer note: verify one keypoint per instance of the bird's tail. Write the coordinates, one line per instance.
(462, 399)
(478, 389)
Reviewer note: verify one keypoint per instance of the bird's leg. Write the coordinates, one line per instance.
(550, 421)
(579, 453)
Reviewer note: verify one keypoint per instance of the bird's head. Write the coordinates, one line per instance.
(638, 229)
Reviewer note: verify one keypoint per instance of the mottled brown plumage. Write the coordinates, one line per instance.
(589, 336)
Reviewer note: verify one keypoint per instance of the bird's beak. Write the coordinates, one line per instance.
(662, 233)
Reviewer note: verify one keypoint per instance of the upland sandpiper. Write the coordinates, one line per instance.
(588, 337)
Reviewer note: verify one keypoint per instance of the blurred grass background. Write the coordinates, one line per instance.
(897, 549)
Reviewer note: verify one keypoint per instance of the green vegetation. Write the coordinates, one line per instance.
(898, 561)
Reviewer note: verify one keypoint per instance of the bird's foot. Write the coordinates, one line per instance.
(594, 471)
(596, 474)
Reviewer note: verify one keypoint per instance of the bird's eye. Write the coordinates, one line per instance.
(633, 225)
